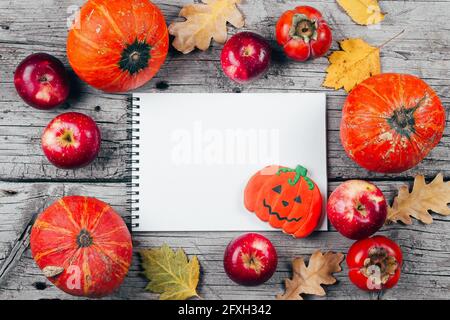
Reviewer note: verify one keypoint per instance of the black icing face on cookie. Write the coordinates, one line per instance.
(288, 199)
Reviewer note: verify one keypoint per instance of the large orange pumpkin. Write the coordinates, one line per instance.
(285, 198)
(82, 245)
(391, 122)
(118, 45)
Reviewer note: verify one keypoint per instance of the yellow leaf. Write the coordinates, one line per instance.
(364, 12)
(434, 196)
(308, 279)
(356, 62)
(205, 21)
(170, 273)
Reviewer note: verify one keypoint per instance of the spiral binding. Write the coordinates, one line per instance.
(132, 163)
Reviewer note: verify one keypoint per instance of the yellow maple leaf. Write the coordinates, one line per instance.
(205, 21)
(364, 12)
(354, 63)
(434, 196)
(170, 273)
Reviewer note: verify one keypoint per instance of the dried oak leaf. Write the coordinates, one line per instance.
(434, 196)
(364, 12)
(170, 273)
(350, 66)
(205, 21)
(308, 279)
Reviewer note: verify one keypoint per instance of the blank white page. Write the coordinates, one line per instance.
(198, 151)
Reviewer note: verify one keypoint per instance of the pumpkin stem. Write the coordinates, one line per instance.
(403, 121)
(300, 171)
(135, 57)
(84, 239)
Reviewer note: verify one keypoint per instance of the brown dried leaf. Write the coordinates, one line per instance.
(308, 279)
(52, 271)
(205, 21)
(434, 196)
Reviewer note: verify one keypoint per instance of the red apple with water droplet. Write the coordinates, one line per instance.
(42, 81)
(245, 57)
(71, 140)
(357, 209)
(250, 259)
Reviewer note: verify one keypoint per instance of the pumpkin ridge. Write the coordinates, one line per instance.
(98, 217)
(88, 41)
(47, 226)
(96, 68)
(69, 213)
(388, 103)
(106, 234)
(105, 12)
(153, 21)
(123, 244)
(87, 276)
(41, 255)
(113, 257)
(132, 8)
(84, 214)
(156, 44)
(368, 141)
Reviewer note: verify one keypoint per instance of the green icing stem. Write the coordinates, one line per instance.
(299, 172)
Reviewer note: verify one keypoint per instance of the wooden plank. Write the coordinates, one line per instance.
(426, 272)
(29, 27)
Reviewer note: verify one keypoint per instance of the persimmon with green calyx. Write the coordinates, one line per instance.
(118, 45)
(390, 122)
(303, 33)
(82, 246)
(285, 198)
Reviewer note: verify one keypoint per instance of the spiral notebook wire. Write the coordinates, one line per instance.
(132, 162)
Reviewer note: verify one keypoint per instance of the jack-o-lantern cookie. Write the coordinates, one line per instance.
(285, 198)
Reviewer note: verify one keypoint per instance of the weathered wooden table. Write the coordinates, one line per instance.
(28, 183)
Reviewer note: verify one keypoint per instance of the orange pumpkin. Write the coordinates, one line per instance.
(285, 198)
(82, 245)
(391, 122)
(118, 45)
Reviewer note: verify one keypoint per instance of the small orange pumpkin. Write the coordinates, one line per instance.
(285, 198)
(390, 122)
(82, 245)
(118, 45)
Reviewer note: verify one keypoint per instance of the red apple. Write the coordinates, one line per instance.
(250, 259)
(245, 57)
(357, 209)
(42, 81)
(71, 140)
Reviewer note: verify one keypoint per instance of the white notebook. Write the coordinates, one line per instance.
(193, 155)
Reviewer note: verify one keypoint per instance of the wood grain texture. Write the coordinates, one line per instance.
(28, 183)
(30, 27)
(426, 248)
